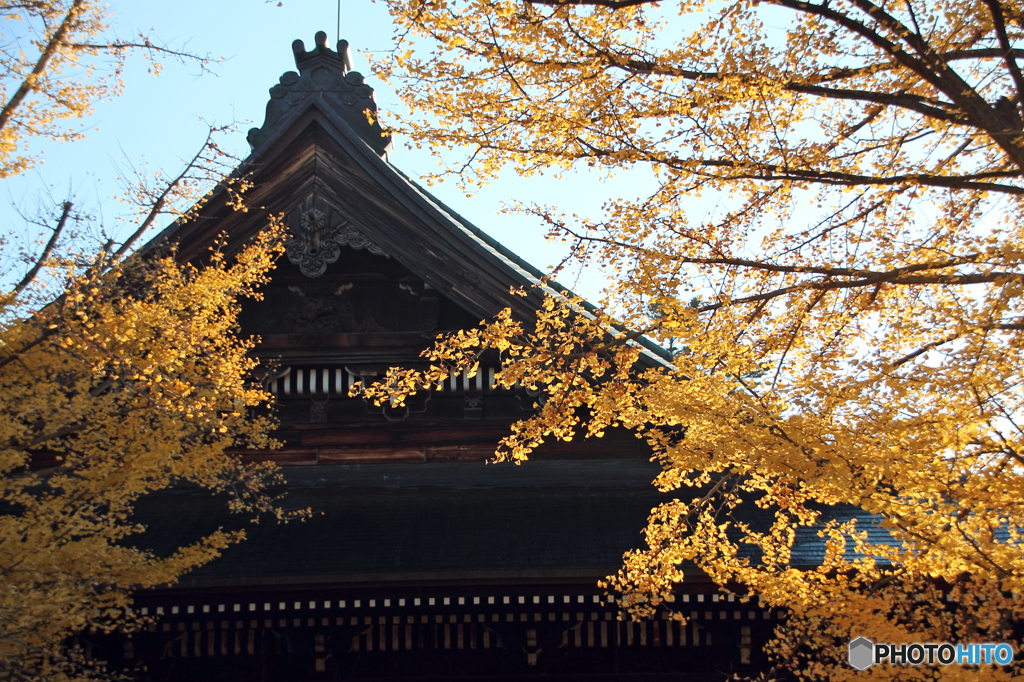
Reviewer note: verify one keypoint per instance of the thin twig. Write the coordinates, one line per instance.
(47, 250)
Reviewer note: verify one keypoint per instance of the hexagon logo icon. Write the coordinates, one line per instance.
(862, 653)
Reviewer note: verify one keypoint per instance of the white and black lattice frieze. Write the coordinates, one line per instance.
(318, 233)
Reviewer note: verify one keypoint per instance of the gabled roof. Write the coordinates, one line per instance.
(321, 155)
(320, 160)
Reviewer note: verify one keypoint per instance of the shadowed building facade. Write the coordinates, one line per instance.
(421, 560)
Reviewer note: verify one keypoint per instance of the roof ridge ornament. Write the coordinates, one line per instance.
(319, 232)
(326, 75)
(307, 61)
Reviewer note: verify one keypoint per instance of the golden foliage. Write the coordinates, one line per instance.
(132, 381)
(120, 374)
(56, 61)
(851, 327)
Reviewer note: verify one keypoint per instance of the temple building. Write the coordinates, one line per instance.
(422, 560)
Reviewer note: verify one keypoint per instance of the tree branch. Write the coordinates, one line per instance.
(832, 285)
(925, 106)
(929, 67)
(767, 171)
(124, 45)
(57, 40)
(999, 24)
(47, 250)
(161, 199)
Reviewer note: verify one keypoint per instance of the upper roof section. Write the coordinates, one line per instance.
(321, 160)
(325, 75)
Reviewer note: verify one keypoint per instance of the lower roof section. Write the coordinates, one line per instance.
(397, 524)
(401, 523)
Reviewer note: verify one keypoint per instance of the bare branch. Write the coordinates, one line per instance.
(767, 171)
(161, 199)
(47, 250)
(119, 46)
(999, 23)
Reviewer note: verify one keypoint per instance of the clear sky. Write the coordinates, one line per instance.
(158, 117)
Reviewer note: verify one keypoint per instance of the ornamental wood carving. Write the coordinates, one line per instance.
(318, 233)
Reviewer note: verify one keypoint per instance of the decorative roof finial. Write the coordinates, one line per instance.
(328, 76)
(307, 61)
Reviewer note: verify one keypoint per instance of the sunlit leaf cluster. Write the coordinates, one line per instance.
(832, 235)
(131, 381)
(58, 58)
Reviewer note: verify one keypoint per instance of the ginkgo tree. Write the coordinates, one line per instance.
(120, 373)
(839, 184)
(58, 58)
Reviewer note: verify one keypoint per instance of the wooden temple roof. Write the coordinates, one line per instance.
(451, 522)
(421, 560)
(405, 523)
(318, 153)
(398, 495)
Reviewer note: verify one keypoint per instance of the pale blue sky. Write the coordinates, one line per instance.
(159, 117)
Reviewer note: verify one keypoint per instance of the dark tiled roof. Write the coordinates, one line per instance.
(424, 521)
(455, 521)
(808, 548)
